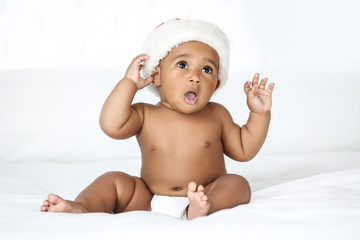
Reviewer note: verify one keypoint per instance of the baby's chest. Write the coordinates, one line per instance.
(182, 134)
(189, 129)
(182, 144)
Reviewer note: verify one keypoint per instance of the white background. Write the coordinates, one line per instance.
(60, 59)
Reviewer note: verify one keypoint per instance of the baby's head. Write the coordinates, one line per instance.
(175, 32)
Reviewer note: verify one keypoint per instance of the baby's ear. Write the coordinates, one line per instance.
(156, 77)
(217, 84)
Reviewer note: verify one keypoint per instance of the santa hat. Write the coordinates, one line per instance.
(175, 32)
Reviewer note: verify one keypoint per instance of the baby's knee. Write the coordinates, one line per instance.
(115, 174)
(241, 185)
(117, 178)
(237, 179)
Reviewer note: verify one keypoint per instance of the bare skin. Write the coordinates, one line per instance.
(182, 138)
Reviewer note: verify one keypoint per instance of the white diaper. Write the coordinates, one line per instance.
(173, 206)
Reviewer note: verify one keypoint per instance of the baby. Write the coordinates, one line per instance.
(184, 137)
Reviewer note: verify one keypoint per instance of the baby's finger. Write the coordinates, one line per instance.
(139, 59)
(271, 87)
(255, 80)
(263, 83)
(135, 66)
(247, 87)
(148, 80)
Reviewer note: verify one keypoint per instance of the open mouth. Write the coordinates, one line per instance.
(191, 97)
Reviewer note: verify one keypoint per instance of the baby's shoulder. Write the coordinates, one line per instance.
(216, 107)
(142, 106)
(218, 111)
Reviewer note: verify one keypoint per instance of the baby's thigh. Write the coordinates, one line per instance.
(231, 185)
(132, 193)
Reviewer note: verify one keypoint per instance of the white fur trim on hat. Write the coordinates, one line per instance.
(175, 32)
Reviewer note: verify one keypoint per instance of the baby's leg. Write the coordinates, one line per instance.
(111, 192)
(227, 191)
(199, 202)
(54, 203)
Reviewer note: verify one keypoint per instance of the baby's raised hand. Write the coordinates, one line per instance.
(133, 71)
(258, 96)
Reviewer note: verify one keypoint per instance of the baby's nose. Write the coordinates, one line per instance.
(194, 77)
(194, 80)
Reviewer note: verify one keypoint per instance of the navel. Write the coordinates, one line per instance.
(206, 144)
(152, 148)
(177, 188)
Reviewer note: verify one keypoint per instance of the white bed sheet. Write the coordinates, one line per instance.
(295, 196)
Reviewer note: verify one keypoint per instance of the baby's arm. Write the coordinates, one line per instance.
(243, 143)
(118, 118)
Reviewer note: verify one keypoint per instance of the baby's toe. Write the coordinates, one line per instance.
(43, 208)
(192, 187)
(54, 199)
(204, 198)
(200, 188)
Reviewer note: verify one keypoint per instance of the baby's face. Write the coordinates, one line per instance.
(188, 76)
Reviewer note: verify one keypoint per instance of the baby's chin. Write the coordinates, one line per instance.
(189, 108)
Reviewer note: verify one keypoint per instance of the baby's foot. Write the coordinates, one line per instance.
(199, 202)
(54, 203)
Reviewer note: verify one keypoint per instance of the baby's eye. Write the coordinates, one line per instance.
(182, 65)
(207, 70)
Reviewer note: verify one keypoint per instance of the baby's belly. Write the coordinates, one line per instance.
(174, 182)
